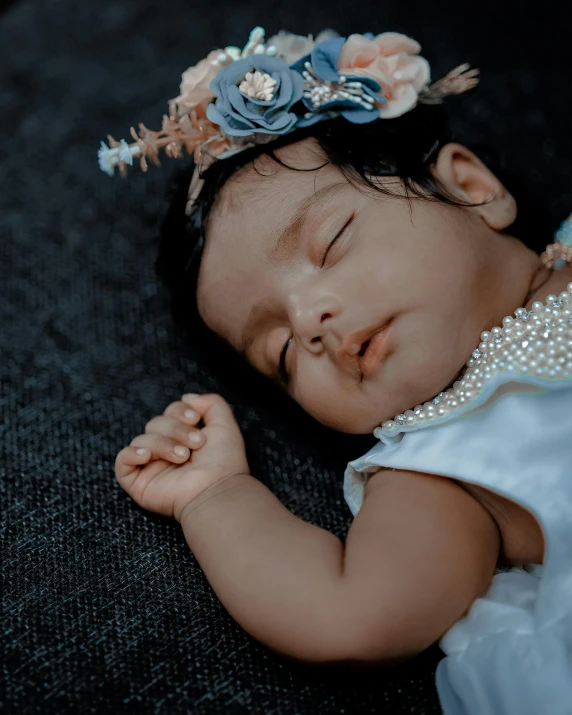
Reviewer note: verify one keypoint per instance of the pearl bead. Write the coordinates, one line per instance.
(536, 343)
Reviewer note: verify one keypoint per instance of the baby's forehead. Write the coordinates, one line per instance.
(264, 195)
(257, 185)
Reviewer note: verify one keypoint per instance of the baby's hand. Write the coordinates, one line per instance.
(161, 473)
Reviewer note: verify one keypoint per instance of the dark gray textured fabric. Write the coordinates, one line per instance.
(105, 609)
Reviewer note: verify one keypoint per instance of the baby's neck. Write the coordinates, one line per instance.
(518, 279)
(543, 282)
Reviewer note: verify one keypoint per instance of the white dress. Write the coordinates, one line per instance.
(507, 426)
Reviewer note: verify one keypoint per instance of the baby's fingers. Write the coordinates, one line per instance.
(183, 412)
(175, 430)
(130, 459)
(162, 447)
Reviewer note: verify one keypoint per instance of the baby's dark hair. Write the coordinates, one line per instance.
(405, 147)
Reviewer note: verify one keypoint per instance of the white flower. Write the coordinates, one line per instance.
(291, 47)
(108, 157)
(125, 153)
(105, 157)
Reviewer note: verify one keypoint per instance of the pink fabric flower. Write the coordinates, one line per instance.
(196, 80)
(392, 60)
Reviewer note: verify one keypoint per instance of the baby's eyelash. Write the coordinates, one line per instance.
(347, 223)
(284, 377)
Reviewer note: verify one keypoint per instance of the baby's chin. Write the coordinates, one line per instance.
(358, 414)
(384, 398)
(364, 421)
(352, 424)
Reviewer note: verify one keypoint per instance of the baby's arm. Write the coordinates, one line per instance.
(416, 556)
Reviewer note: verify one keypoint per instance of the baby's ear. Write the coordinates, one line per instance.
(465, 176)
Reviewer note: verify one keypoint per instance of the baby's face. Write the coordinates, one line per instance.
(421, 269)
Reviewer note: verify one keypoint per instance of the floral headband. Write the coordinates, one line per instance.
(234, 99)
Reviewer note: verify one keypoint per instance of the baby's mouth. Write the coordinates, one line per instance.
(373, 351)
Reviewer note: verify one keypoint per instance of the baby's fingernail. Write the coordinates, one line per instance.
(191, 414)
(180, 451)
(195, 437)
(190, 396)
(141, 450)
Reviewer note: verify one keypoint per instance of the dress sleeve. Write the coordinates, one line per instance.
(356, 475)
(511, 653)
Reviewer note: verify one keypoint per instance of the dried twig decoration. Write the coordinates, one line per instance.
(188, 131)
(457, 81)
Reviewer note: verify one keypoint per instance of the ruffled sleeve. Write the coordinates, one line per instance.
(500, 661)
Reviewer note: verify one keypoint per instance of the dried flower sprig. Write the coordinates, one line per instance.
(457, 81)
(188, 131)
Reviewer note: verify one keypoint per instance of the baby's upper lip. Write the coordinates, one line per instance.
(352, 344)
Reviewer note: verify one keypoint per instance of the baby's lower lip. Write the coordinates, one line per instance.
(376, 351)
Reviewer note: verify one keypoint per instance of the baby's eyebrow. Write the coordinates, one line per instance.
(286, 242)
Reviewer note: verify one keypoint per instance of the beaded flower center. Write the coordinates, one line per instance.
(536, 342)
(258, 85)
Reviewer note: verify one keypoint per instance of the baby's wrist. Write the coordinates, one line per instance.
(210, 494)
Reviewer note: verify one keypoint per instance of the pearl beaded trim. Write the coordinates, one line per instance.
(535, 345)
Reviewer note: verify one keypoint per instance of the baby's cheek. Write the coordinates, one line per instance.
(320, 396)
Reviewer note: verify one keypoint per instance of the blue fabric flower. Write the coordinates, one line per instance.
(240, 115)
(324, 62)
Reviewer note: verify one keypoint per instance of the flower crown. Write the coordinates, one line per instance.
(234, 99)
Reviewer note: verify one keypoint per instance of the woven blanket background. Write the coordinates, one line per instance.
(104, 608)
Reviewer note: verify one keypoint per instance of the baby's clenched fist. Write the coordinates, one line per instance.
(193, 445)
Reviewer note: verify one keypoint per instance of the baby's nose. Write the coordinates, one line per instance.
(313, 325)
